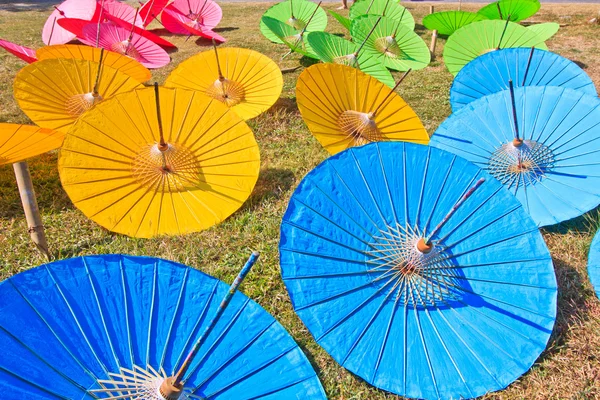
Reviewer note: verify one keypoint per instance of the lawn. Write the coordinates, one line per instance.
(568, 369)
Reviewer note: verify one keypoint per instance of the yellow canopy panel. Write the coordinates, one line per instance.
(20, 142)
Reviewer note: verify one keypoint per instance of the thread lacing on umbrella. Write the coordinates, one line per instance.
(388, 46)
(521, 165)
(227, 91)
(360, 127)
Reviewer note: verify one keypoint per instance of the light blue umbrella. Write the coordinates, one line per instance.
(543, 145)
(113, 325)
(490, 73)
(417, 271)
(594, 264)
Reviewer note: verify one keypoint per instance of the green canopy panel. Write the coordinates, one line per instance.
(387, 8)
(518, 10)
(293, 38)
(546, 30)
(334, 49)
(296, 14)
(392, 43)
(447, 22)
(341, 19)
(481, 37)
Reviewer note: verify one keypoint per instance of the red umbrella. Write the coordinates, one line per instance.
(176, 22)
(53, 33)
(151, 9)
(123, 12)
(120, 40)
(24, 53)
(140, 31)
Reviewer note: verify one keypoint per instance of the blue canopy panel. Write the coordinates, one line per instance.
(594, 264)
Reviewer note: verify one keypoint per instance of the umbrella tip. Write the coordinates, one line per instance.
(517, 142)
(169, 391)
(255, 253)
(424, 247)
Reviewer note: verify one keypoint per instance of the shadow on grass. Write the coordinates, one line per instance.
(586, 223)
(75, 251)
(226, 29)
(285, 104)
(271, 184)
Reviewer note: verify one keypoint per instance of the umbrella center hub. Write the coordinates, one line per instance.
(142, 383)
(175, 168)
(388, 46)
(521, 164)
(126, 48)
(78, 104)
(227, 91)
(296, 23)
(359, 126)
(349, 60)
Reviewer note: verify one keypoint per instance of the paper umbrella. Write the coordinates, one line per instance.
(53, 33)
(511, 10)
(447, 22)
(417, 271)
(386, 8)
(594, 264)
(24, 53)
(298, 14)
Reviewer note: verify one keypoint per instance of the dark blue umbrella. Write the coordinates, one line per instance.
(490, 73)
(543, 144)
(594, 264)
(417, 271)
(110, 326)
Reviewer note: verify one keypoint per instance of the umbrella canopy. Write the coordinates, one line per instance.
(142, 171)
(55, 92)
(387, 8)
(244, 80)
(24, 53)
(513, 10)
(594, 264)
(458, 317)
(141, 31)
(122, 11)
(180, 23)
(491, 72)
(334, 49)
(203, 15)
(344, 107)
(548, 159)
(20, 142)
(126, 42)
(482, 37)
(298, 14)
(151, 9)
(126, 65)
(392, 43)
(545, 30)
(94, 320)
(293, 38)
(447, 22)
(80, 9)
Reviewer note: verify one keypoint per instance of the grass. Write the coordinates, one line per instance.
(568, 369)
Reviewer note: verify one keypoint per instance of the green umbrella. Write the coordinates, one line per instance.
(482, 37)
(341, 19)
(392, 43)
(446, 22)
(296, 14)
(544, 31)
(293, 38)
(387, 8)
(515, 10)
(334, 49)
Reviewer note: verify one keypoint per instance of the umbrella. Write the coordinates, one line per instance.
(80, 9)
(490, 73)
(548, 158)
(450, 312)
(54, 92)
(594, 264)
(126, 65)
(17, 144)
(126, 42)
(345, 22)
(113, 326)
(447, 22)
(293, 38)
(151, 9)
(242, 79)
(344, 107)
(545, 30)
(482, 37)
(122, 11)
(298, 14)
(141, 31)
(24, 53)
(143, 166)
(513, 10)
(203, 15)
(387, 8)
(392, 43)
(334, 49)
(176, 21)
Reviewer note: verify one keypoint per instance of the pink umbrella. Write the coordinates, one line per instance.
(176, 22)
(120, 40)
(200, 14)
(24, 53)
(140, 31)
(151, 9)
(81, 9)
(123, 12)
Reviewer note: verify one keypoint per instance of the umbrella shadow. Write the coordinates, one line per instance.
(586, 223)
(272, 184)
(226, 29)
(286, 104)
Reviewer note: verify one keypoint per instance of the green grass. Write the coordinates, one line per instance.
(568, 369)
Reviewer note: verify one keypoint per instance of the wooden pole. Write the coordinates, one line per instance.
(434, 36)
(30, 206)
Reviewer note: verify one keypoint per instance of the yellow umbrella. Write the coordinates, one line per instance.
(111, 59)
(245, 80)
(144, 165)
(344, 107)
(53, 93)
(18, 143)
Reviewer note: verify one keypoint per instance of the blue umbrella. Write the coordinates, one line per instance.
(543, 144)
(594, 264)
(110, 326)
(449, 312)
(490, 73)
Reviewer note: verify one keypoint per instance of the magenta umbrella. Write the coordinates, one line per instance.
(141, 31)
(120, 40)
(175, 20)
(24, 53)
(123, 12)
(151, 9)
(199, 14)
(53, 33)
